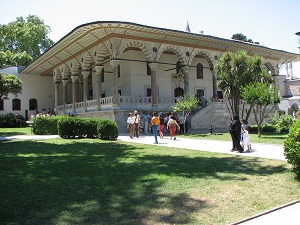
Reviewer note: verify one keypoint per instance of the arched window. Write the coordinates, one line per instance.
(33, 104)
(199, 71)
(178, 67)
(16, 104)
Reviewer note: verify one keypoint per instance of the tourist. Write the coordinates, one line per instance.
(246, 138)
(154, 124)
(130, 125)
(172, 124)
(235, 132)
(137, 123)
(161, 125)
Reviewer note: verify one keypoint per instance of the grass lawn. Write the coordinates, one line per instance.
(15, 131)
(95, 182)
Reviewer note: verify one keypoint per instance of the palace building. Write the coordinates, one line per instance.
(107, 69)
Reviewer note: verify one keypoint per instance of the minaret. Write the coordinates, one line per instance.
(187, 29)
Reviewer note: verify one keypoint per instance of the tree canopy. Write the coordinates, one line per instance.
(241, 37)
(260, 96)
(234, 71)
(186, 105)
(23, 40)
(9, 83)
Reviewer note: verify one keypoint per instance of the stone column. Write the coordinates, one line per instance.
(85, 75)
(115, 64)
(99, 85)
(214, 82)
(56, 84)
(186, 79)
(65, 82)
(153, 67)
(74, 79)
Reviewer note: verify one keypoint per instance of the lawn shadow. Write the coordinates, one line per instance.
(106, 182)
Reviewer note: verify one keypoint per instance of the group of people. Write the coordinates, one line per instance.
(239, 132)
(158, 123)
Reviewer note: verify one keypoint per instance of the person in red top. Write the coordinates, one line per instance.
(161, 125)
(154, 124)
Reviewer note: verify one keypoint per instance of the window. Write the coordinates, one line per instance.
(220, 94)
(119, 70)
(33, 104)
(16, 104)
(199, 71)
(120, 93)
(148, 69)
(149, 92)
(90, 93)
(1, 104)
(178, 67)
(102, 75)
(199, 93)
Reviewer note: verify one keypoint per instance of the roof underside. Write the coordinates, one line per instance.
(87, 36)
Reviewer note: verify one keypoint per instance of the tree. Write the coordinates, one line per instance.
(23, 40)
(9, 84)
(231, 71)
(236, 70)
(260, 95)
(241, 37)
(186, 105)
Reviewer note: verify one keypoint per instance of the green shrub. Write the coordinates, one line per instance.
(108, 130)
(282, 122)
(45, 125)
(268, 128)
(77, 127)
(292, 147)
(66, 127)
(12, 120)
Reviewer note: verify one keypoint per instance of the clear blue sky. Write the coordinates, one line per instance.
(273, 23)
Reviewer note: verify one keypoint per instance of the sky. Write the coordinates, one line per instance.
(272, 23)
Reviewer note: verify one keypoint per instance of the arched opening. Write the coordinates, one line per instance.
(33, 104)
(16, 104)
(178, 92)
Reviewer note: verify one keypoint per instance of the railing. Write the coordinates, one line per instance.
(125, 102)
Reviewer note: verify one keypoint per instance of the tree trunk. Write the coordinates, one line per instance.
(258, 131)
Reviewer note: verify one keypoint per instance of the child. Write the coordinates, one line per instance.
(246, 138)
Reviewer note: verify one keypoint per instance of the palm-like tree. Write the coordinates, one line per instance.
(236, 70)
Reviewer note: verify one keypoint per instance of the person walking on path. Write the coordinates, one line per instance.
(172, 124)
(235, 132)
(154, 124)
(161, 125)
(137, 123)
(130, 125)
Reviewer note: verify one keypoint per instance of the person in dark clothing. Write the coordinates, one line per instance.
(235, 132)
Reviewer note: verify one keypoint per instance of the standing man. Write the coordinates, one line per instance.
(130, 125)
(235, 132)
(181, 123)
(137, 122)
(155, 124)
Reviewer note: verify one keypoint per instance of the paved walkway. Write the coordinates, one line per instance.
(286, 214)
(258, 150)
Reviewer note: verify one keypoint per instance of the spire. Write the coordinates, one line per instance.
(187, 29)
